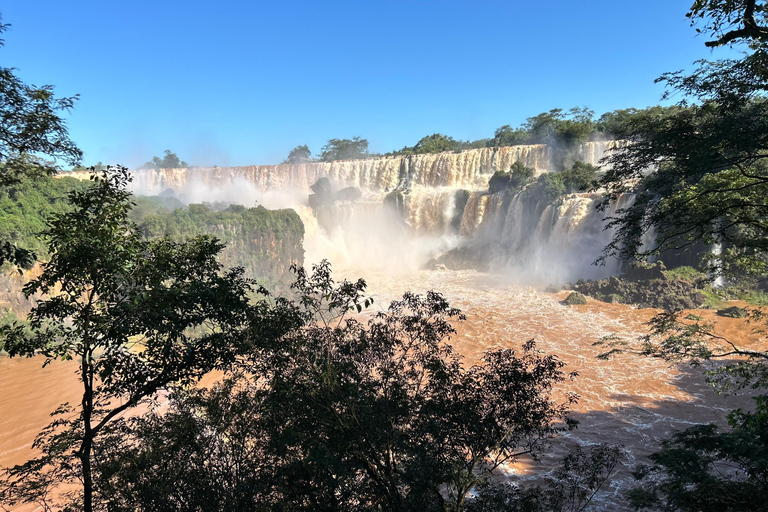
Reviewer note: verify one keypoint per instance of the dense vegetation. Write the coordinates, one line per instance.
(264, 242)
(700, 174)
(336, 413)
(344, 149)
(25, 206)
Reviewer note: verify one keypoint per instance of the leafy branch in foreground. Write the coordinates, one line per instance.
(688, 339)
(704, 469)
(135, 316)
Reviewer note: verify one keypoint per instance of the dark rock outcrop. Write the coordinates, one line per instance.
(733, 312)
(647, 286)
(575, 299)
(460, 258)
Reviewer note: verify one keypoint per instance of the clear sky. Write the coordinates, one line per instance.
(242, 82)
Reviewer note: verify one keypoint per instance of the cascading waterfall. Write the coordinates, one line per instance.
(445, 203)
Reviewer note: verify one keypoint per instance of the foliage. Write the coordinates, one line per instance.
(686, 273)
(200, 219)
(731, 20)
(25, 206)
(299, 155)
(136, 315)
(263, 242)
(518, 176)
(547, 189)
(699, 171)
(435, 143)
(99, 167)
(169, 161)
(678, 339)
(569, 488)
(344, 149)
(556, 126)
(343, 413)
(508, 136)
(145, 206)
(32, 125)
(698, 174)
(579, 178)
(705, 469)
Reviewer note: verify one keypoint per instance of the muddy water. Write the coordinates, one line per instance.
(629, 400)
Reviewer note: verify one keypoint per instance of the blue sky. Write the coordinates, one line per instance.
(243, 82)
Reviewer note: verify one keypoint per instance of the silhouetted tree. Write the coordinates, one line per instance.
(135, 315)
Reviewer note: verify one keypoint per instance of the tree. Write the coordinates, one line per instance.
(31, 127)
(436, 143)
(136, 315)
(699, 172)
(705, 469)
(344, 149)
(556, 126)
(580, 177)
(518, 176)
(343, 413)
(299, 155)
(507, 136)
(169, 161)
(731, 20)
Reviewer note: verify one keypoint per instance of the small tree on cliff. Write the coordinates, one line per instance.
(136, 316)
(299, 155)
(344, 149)
(169, 161)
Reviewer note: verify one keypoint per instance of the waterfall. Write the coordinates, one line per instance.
(444, 203)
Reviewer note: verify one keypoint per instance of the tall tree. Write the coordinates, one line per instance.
(699, 172)
(135, 315)
(169, 161)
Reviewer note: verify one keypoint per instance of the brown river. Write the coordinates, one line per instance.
(629, 400)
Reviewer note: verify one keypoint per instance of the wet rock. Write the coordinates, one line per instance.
(733, 312)
(460, 258)
(551, 288)
(349, 194)
(646, 287)
(575, 299)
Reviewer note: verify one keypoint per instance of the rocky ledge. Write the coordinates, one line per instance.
(647, 286)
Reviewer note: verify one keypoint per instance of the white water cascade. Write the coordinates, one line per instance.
(444, 203)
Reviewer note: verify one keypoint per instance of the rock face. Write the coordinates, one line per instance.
(264, 242)
(647, 286)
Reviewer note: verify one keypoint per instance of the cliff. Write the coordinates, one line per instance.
(264, 242)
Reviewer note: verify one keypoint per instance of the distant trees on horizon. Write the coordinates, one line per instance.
(558, 127)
